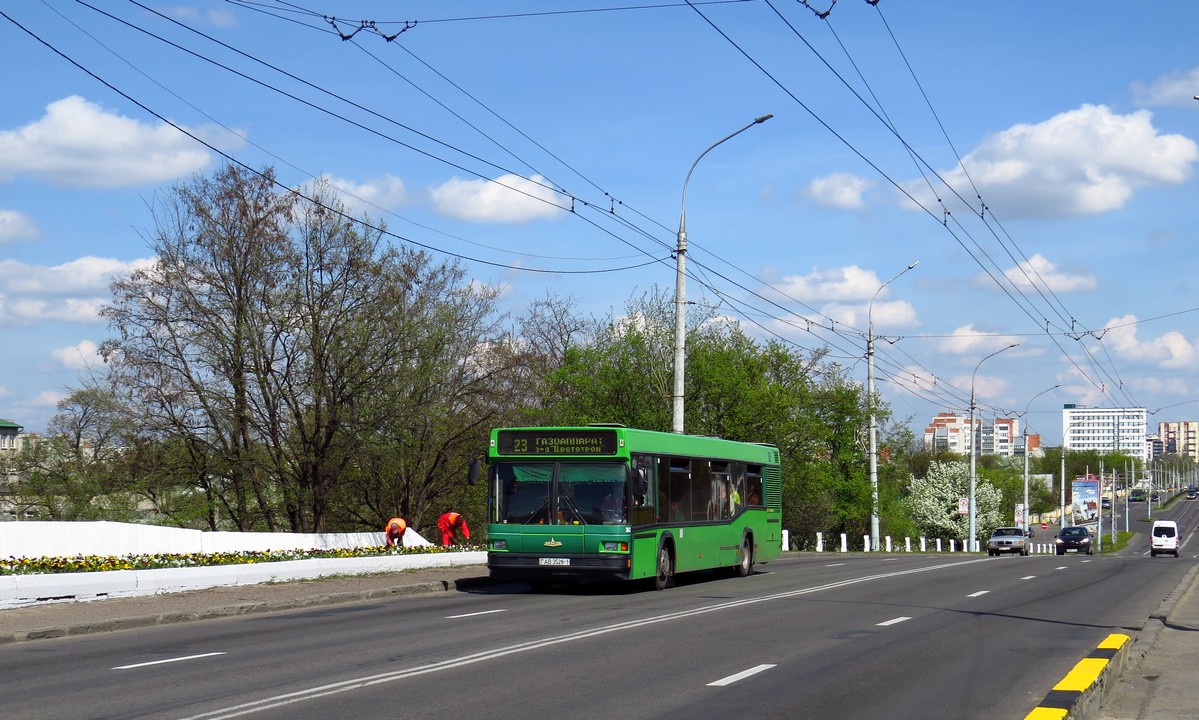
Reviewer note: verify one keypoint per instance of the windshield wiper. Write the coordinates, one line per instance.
(543, 507)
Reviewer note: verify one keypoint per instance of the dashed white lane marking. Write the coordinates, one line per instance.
(1028, 577)
(168, 660)
(474, 614)
(979, 593)
(893, 621)
(739, 676)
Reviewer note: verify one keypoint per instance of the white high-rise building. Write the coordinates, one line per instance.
(1105, 430)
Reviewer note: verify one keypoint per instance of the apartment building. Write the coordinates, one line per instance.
(1105, 430)
(950, 432)
(1179, 438)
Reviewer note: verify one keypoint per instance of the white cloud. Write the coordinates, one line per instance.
(509, 199)
(966, 340)
(1040, 271)
(1175, 88)
(893, 313)
(71, 292)
(86, 274)
(1081, 162)
(370, 196)
(15, 226)
(80, 144)
(831, 284)
(1166, 386)
(1171, 350)
(984, 386)
(83, 354)
(47, 398)
(914, 379)
(839, 190)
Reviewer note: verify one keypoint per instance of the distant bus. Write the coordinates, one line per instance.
(1136, 495)
(607, 502)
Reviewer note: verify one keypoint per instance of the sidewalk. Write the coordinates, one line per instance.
(63, 619)
(1158, 681)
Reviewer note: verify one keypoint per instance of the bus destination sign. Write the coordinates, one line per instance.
(556, 442)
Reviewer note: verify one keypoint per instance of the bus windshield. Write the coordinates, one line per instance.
(565, 493)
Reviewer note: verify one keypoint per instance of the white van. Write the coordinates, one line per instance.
(1165, 538)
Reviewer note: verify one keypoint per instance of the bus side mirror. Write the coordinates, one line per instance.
(473, 476)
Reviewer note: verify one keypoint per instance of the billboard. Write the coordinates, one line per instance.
(1084, 505)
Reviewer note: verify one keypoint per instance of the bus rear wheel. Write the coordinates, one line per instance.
(745, 565)
(665, 573)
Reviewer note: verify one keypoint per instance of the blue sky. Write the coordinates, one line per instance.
(524, 138)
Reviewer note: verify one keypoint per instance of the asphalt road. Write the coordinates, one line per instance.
(860, 636)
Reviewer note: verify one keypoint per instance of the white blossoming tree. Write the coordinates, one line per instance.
(933, 501)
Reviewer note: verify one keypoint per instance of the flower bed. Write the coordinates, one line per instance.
(96, 563)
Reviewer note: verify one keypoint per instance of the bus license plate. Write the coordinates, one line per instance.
(553, 561)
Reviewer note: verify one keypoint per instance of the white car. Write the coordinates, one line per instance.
(1165, 538)
(1007, 540)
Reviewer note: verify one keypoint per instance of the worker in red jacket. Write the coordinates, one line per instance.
(395, 531)
(449, 523)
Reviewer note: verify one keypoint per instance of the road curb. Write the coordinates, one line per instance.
(1081, 704)
(1082, 688)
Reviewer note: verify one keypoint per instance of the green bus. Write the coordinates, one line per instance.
(607, 502)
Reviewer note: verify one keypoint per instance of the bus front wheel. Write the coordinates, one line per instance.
(745, 565)
(665, 572)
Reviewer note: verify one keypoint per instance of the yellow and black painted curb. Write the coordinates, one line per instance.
(1081, 682)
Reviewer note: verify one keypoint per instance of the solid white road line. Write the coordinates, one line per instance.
(739, 676)
(170, 660)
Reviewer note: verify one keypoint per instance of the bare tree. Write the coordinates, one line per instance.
(190, 329)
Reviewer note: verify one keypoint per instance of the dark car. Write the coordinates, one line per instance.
(1105, 503)
(1076, 538)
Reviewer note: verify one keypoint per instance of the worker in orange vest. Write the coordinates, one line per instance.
(395, 531)
(449, 523)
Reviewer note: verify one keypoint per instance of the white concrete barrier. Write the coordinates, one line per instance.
(37, 539)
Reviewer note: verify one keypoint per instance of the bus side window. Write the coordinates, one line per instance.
(738, 479)
(753, 486)
(645, 491)
(680, 490)
(702, 498)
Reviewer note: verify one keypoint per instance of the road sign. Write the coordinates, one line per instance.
(963, 506)
(1044, 526)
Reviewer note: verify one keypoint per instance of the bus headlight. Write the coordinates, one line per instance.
(499, 544)
(615, 546)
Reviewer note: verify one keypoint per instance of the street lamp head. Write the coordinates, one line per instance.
(764, 118)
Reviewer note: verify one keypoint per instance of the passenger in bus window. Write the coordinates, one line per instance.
(676, 512)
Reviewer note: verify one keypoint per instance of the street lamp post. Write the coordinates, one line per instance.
(971, 539)
(1024, 519)
(870, 399)
(680, 288)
